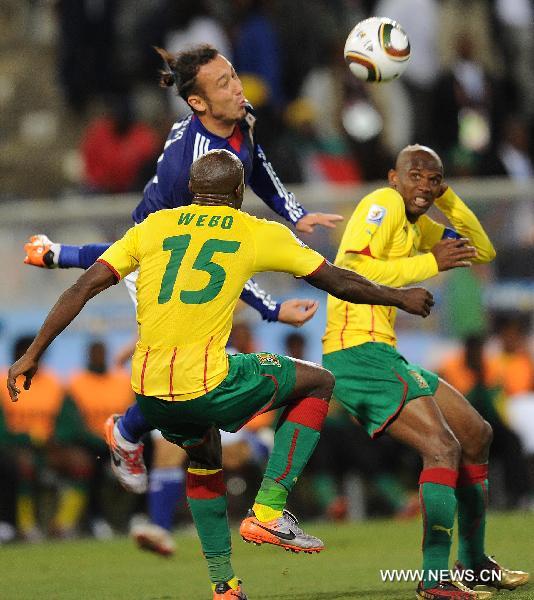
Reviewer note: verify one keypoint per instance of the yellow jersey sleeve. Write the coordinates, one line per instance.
(122, 257)
(278, 249)
(464, 220)
(394, 272)
(367, 243)
(374, 222)
(431, 233)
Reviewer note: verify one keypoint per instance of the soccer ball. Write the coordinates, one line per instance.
(377, 49)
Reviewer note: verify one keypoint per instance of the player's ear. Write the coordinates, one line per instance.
(392, 178)
(239, 191)
(197, 103)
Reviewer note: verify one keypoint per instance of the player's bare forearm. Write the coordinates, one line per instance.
(348, 285)
(69, 304)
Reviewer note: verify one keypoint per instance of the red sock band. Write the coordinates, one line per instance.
(440, 475)
(472, 474)
(310, 412)
(205, 487)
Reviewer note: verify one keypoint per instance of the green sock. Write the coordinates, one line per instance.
(272, 494)
(472, 502)
(294, 443)
(207, 500)
(438, 505)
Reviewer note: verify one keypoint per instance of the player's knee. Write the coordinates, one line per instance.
(477, 448)
(325, 384)
(444, 449)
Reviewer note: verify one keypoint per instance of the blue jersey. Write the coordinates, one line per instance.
(169, 188)
(187, 141)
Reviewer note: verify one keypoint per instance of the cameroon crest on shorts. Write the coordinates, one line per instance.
(420, 380)
(265, 358)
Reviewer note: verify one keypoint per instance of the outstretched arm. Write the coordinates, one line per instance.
(266, 184)
(347, 285)
(42, 252)
(70, 303)
(294, 312)
(466, 223)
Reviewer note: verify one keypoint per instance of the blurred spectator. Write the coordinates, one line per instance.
(481, 378)
(256, 47)
(516, 21)
(512, 366)
(295, 345)
(86, 58)
(473, 20)
(27, 437)
(117, 150)
(305, 30)
(520, 416)
(8, 486)
(190, 23)
(241, 339)
(468, 102)
(93, 394)
(420, 20)
(511, 157)
(329, 127)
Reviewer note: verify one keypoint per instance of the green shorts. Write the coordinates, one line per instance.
(256, 383)
(374, 382)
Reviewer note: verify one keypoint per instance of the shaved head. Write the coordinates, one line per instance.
(417, 155)
(217, 172)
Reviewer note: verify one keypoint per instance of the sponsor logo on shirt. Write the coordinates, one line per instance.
(376, 214)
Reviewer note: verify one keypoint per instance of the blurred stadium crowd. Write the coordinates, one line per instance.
(79, 81)
(81, 112)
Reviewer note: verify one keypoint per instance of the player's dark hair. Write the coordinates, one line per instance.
(182, 69)
(217, 173)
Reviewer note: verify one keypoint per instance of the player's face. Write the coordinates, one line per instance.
(418, 179)
(222, 96)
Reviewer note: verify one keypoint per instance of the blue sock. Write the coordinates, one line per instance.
(166, 489)
(81, 257)
(133, 424)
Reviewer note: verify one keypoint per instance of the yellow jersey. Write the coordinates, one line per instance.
(193, 262)
(382, 245)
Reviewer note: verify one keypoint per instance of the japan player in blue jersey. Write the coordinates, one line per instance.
(221, 119)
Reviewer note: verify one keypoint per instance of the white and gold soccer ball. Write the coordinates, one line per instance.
(377, 50)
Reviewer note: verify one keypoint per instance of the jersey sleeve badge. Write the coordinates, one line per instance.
(376, 214)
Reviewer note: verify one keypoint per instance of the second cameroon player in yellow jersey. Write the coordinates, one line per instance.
(382, 245)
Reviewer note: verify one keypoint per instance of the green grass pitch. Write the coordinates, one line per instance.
(347, 569)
